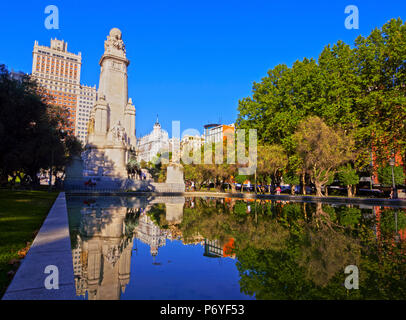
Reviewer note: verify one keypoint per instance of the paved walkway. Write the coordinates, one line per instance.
(50, 247)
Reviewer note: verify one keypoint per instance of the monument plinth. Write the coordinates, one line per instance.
(111, 132)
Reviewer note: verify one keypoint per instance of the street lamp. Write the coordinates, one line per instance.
(395, 192)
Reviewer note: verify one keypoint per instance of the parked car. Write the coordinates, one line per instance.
(371, 193)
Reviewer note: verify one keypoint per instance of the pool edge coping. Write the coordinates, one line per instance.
(29, 285)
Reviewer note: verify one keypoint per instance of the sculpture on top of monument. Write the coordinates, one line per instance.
(114, 41)
(112, 134)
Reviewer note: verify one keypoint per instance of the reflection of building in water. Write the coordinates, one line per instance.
(150, 233)
(102, 257)
(214, 249)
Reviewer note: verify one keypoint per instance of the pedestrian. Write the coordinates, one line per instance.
(278, 190)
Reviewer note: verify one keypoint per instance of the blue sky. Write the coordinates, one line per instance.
(190, 60)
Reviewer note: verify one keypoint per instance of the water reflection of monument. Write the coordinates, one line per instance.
(102, 255)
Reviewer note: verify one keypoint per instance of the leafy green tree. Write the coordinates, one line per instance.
(361, 89)
(348, 177)
(381, 106)
(31, 134)
(271, 161)
(292, 179)
(385, 175)
(322, 150)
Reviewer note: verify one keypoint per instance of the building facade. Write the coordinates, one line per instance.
(214, 133)
(153, 143)
(58, 71)
(86, 100)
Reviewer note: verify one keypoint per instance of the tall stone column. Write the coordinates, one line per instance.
(101, 116)
(112, 121)
(129, 121)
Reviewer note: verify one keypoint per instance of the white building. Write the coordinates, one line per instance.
(191, 142)
(214, 133)
(150, 145)
(86, 100)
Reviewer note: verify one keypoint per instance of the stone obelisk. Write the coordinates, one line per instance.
(111, 132)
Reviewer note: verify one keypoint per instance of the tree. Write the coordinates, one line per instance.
(133, 168)
(361, 89)
(31, 130)
(196, 173)
(271, 161)
(381, 106)
(385, 175)
(292, 179)
(322, 150)
(348, 177)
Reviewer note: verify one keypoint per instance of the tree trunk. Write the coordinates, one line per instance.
(232, 187)
(326, 191)
(303, 184)
(318, 189)
(349, 191)
(292, 190)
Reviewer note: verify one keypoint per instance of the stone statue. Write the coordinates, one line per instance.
(114, 41)
(90, 126)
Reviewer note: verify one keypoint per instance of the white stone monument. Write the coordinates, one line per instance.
(111, 133)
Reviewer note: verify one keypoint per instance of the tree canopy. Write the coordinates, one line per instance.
(31, 129)
(360, 89)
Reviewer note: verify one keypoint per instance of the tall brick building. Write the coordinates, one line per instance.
(58, 71)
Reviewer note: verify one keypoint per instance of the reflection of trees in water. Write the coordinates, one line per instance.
(300, 251)
(158, 215)
(325, 248)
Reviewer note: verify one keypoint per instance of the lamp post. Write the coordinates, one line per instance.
(50, 169)
(395, 193)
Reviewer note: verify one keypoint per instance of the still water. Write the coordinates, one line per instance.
(221, 248)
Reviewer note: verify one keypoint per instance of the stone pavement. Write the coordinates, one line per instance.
(50, 247)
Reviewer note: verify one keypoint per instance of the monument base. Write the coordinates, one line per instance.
(109, 160)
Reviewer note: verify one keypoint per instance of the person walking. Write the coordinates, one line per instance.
(278, 190)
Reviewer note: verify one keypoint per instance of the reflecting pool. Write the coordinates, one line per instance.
(222, 248)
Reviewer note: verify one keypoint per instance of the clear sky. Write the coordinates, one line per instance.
(190, 60)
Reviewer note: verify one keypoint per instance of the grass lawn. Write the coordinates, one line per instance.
(21, 216)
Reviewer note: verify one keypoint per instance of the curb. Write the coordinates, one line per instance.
(51, 246)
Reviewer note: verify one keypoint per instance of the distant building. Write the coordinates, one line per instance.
(192, 142)
(150, 145)
(214, 133)
(86, 100)
(17, 75)
(58, 71)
